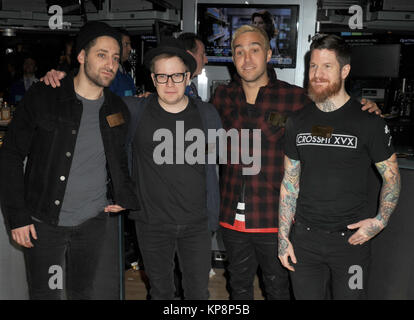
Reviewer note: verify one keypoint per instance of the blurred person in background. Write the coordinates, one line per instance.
(20, 87)
(194, 46)
(123, 84)
(264, 20)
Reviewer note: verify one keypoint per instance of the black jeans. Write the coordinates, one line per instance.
(324, 268)
(245, 252)
(159, 243)
(67, 255)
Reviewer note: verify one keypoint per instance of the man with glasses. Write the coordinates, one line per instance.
(180, 201)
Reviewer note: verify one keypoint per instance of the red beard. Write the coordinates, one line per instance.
(317, 94)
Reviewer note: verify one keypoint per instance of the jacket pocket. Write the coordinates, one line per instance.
(47, 124)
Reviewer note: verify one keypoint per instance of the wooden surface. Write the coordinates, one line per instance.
(135, 286)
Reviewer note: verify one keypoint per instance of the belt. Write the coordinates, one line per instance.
(342, 232)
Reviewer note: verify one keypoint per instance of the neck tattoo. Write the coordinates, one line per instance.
(327, 106)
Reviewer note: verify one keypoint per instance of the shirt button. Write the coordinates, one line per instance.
(343, 233)
(57, 202)
(62, 178)
(68, 154)
(73, 131)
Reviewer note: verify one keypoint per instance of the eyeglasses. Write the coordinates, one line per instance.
(175, 77)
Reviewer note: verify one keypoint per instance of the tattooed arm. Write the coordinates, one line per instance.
(390, 191)
(289, 191)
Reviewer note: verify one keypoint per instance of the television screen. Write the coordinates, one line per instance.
(375, 61)
(164, 29)
(218, 22)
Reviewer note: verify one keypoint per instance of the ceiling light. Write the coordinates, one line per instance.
(9, 32)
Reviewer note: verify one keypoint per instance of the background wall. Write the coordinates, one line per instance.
(306, 29)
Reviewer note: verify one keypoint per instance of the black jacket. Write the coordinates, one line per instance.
(211, 120)
(45, 130)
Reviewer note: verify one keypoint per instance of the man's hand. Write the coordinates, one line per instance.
(53, 78)
(113, 208)
(390, 192)
(22, 235)
(286, 251)
(371, 106)
(389, 195)
(144, 94)
(368, 229)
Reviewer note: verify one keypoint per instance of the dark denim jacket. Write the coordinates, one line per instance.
(45, 130)
(211, 120)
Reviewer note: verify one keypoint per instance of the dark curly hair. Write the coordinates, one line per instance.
(268, 20)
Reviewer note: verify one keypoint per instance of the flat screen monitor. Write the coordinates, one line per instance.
(375, 61)
(218, 22)
(164, 29)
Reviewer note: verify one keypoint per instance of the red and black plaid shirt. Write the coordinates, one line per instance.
(262, 190)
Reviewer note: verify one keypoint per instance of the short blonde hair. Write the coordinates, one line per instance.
(249, 28)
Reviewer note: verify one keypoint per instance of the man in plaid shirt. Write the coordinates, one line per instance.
(249, 203)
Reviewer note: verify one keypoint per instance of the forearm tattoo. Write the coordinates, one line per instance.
(373, 230)
(289, 191)
(390, 190)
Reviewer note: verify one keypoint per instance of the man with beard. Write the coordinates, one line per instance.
(180, 207)
(330, 146)
(76, 170)
(248, 207)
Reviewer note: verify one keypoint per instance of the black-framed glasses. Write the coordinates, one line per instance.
(175, 77)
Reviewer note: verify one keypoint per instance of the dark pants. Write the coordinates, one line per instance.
(192, 243)
(67, 255)
(245, 252)
(326, 263)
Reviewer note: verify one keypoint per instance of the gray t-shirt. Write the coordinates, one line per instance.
(85, 195)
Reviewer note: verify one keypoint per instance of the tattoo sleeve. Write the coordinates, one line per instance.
(289, 191)
(390, 191)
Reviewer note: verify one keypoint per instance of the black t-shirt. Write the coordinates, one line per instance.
(170, 193)
(334, 171)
